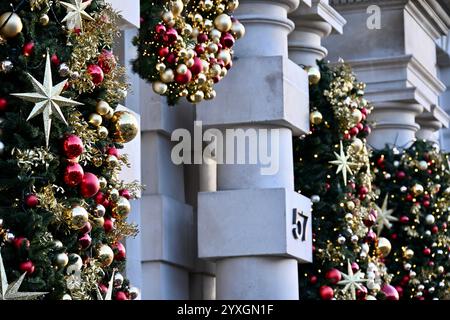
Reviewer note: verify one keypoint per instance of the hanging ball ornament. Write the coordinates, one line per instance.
(384, 245)
(78, 217)
(62, 259)
(102, 107)
(122, 208)
(159, 87)
(417, 189)
(31, 200)
(357, 116)
(124, 126)
(314, 75)
(66, 297)
(423, 165)
(99, 211)
(73, 174)
(10, 25)
(27, 266)
(333, 276)
(134, 293)
(315, 198)
(96, 73)
(326, 293)
(119, 251)
(107, 61)
(73, 146)
(408, 254)
(44, 19)
(390, 292)
(430, 219)
(357, 145)
(118, 280)
(90, 185)
(105, 255)
(316, 117)
(223, 22)
(95, 119)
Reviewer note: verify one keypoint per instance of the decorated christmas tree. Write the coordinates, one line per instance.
(332, 167)
(414, 187)
(63, 207)
(186, 46)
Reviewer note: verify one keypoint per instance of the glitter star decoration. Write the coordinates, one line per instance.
(108, 295)
(342, 163)
(76, 13)
(47, 99)
(352, 281)
(11, 291)
(384, 217)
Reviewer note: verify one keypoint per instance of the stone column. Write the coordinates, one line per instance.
(397, 60)
(444, 75)
(313, 22)
(253, 225)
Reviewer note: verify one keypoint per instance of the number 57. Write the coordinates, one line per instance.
(300, 221)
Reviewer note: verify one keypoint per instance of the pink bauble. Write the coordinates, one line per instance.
(89, 185)
(73, 175)
(390, 292)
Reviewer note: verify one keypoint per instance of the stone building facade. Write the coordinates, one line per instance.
(222, 231)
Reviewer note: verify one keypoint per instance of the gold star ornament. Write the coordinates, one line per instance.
(343, 164)
(11, 291)
(352, 281)
(384, 217)
(76, 13)
(47, 99)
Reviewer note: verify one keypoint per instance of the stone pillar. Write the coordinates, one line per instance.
(430, 124)
(397, 60)
(253, 225)
(313, 22)
(444, 75)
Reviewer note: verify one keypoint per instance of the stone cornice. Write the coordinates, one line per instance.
(430, 15)
(290, 5)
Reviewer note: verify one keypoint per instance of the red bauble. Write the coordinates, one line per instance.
(106, 61)
(444, 225)
(394, 236)
(399, 290)
(360, 126)
(19, 241)
(171, 58)
(435, 229)
(426, 203)
(108, 225)
(364, 111)
(119, 251)
(400, 175)
(333, 276)
(390, 292)
(313, 279)
(163, 52)
(370, 220)
(28, 49)
(371, 236)
(55, 60)
(347, 136)
(87, 228)
(367, 130)
(361, 293)
(183, 78)
(73, 146)
(405, 280)
(113, 152)
(89, 185)
(27, 266)
(85, 241)
(103, 288)
(197, 67)
(171, 35)
(363, 190)
(353, 131)
(31, 201)
(125, 193)
(96, 74)
(409, 197)
(326, 293)
(200, 49)
(202, 38)
(355, 266)
(100, 198)
(73, 175)
(160, 28)
(404, 219)
(3, 104)
(227, 40)
(120, 295)
(427, 251)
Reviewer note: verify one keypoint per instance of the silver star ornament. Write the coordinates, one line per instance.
(47, 99)
(351, 281)
(76, 13)
(384, 217)
(342, 163)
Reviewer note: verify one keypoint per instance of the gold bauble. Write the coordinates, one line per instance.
(168, 76)
(225, 56)
(110, 114)
(208, 5)
(102, 132)
(99, 211)
(238, 30)
(159, 87)
(62, 259)
(184, 93)
(99, 222)
(356, 116)
(198, 18)
(385, 247)
(102, 107)
(210, 95)
(167, 16)
(408, 254)
(198, 96)
(44, 19)
(12, 25)
(223, 22)
(314, 75)
(190, 63)
(208, 24)
(357, 145)
(201, 78)
(78, 217)
(224, 72)
(103, 183)
(187, 30)
(417, 189)
(122, 208)
(215, 34)
(316, 117)
(212, 48)
(160, 67)
(114, 195)
(105, 255)
(351, 205)
(124, 126)
(233, 5)
(176, 6)
(190, 54)
(112, 161)
(182, 69)
(66, 297)
(220, 8)
(95, 119)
